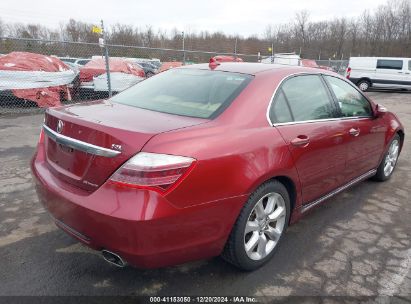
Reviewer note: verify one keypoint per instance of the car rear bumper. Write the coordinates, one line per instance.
(141, 226)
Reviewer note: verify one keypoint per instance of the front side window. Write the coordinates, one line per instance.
(409, 65)
(305, 97)
(351, 102)
(186, 92)
(389, 64)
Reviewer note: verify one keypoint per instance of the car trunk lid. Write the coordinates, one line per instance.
(86, 143)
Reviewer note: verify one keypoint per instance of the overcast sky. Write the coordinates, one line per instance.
(230, 16)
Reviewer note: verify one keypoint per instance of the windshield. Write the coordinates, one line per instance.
(187, 92)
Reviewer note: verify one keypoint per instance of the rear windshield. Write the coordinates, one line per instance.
(187, 92)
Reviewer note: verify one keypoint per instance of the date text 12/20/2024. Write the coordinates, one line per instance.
(203, 300)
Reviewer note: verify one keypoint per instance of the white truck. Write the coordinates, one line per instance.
(380, 72)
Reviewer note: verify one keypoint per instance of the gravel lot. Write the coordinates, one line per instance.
(357, 243)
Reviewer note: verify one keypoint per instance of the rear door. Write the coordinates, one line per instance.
(364, 135)
(389, 73)
(304, 114)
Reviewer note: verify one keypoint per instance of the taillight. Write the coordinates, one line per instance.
(348, 72)
(41, 136)
(158, 172)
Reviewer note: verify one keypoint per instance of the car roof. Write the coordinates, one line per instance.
(250, 68)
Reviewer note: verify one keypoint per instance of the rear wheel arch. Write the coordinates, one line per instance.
(234, 251)
(364, 79)
(291, 189)
(288, 183)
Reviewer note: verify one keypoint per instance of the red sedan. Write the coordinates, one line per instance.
(202, 161)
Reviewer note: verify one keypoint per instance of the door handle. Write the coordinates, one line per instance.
(354, 132)
(399, 72)
(301, 141)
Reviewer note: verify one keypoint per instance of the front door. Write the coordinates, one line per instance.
(365, 135)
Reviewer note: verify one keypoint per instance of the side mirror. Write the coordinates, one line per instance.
(380, 110)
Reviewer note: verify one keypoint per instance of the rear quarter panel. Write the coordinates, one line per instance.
(230, 162)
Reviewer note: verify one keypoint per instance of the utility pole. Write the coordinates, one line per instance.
(106, 59)
(235, 48)
(184, 50)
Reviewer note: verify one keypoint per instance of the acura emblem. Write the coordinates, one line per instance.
(60, 125)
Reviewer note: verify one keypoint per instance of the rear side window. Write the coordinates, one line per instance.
(306, 97)
(186, 92)
(389, 64)
(351, 102)
(409, 65)
(281, 111)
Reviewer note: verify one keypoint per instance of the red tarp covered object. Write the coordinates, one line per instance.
(309, 63)
(223, 58)
(97, 67)
(24, 61)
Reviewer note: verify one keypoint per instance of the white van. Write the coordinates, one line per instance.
(380, 72)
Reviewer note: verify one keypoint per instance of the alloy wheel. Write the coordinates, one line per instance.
(391, 158)
(264, 226)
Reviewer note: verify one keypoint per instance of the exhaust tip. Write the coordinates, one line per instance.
(113, 258)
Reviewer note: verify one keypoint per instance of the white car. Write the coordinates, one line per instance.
(119, 81)
(77, 61)
(283, 58)
(380, 72)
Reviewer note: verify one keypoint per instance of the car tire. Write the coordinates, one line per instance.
(275, 200)
(364, 85)
(149, 74)
(389, 161)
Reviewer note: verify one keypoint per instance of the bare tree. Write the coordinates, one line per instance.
(384, 31)
(2, 29)
(301, 23)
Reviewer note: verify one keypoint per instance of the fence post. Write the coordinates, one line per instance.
(110, 94)
(235, 48)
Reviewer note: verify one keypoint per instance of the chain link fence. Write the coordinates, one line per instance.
(36, 74)
(338, 66)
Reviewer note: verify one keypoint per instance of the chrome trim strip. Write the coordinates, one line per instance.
(320, 120)
(78, 144)
(68, 229)
(307, 207)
